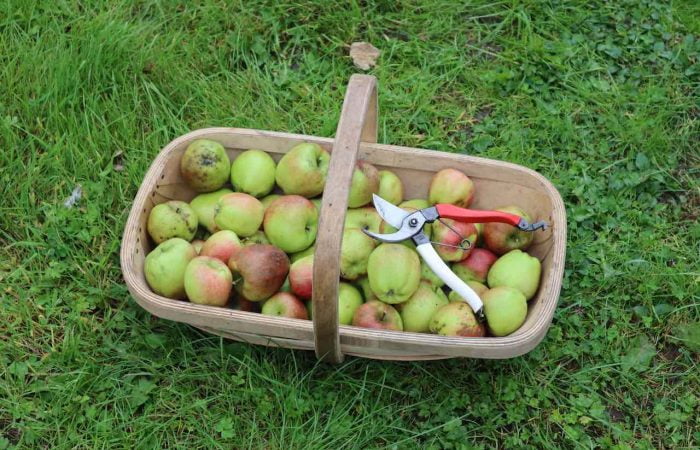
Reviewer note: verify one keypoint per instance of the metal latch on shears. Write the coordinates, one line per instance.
(410, 226)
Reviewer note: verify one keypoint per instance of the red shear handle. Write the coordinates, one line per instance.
(475, 215)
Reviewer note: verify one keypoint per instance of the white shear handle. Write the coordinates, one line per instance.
(442, 270)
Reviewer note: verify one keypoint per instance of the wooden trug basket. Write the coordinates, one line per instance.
(497, 184)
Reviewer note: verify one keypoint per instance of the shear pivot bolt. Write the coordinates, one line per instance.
(413, 222)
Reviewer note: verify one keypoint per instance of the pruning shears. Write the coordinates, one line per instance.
(409, 225)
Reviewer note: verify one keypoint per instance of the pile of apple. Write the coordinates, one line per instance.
(258, 251)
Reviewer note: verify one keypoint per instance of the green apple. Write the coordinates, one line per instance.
(505, 309)
(269, 199)
(259, 270)
(204, 205)
(291, 222)
(417, 311)
(477, 287)
(475, 266)
(415, 204)
(208, 281)
(377, 315)
(362, 284)
(518, 270)
(253, 172)
(302, 171)
(205, 166)
(501, 238)
(390, 187)
(365, 218)
(256, 238)
(349, 299)
(317, 204)
(170, 220)
(456, 319)
(394, 272)
(365, 182)
(354, 253)
(426, 273)
(294, 257)
(165, 266)
(451, 186)
(240, 213)
(284, 304)
(449, 235)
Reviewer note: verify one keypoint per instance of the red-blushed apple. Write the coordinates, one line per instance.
(291, 222)
(394, 272)
(253, 172)
(164, 267)
(301, 277)
(205, 166)
(448, 235)
(505, 309)
(456, 319)
(501, 238)
(390, 187)
(208, 281)
(284, 304)
(172, 219)
(240, 213)
(417, 311)
(518, 270)
(197, 244)
(204, 205)
(426, 273)
(349, 299)
(475, 266)
(365, 218)
(365, 182)
(259, 270)
(256, 238)
(451, 186)
(377, 315)
(354, 253)
(477, 287)
(221, 245)
(302, 170)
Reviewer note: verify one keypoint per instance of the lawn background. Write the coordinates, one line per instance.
(600, 97)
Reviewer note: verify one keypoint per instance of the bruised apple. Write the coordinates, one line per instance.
(259, 270)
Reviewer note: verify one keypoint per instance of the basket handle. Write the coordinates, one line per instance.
(358, 122)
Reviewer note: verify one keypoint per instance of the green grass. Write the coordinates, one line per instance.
(601, 97)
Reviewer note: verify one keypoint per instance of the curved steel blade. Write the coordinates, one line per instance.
(401, 235)
(393, 215)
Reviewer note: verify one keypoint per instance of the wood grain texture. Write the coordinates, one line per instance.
(358, 120)
(497, 184)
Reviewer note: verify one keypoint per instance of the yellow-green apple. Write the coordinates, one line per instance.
(165, 266)
(197, 244)
(394, 272)
(427, 274)
(317, 204)
(303, 170)
(365, 182)
(208, 281)
(354, 253)
(204, 205)
(269, 199)
(456, 319)
(477, 287)
(205, 166)
(240, 213)
(256, 238)
(170, 220)
(365, 218)
(377, 315)
(253, 172)
(505, 309)
(349, 299)
(501, 238)
(415, 204)
(518, 270)
(390, 187)
(475, 266)
(451, 186)
(417, 311)
(259, 270)
(290, 223)
(301, 274)
(448, 235)
(362, 284)
(294, 257)
(221, 245)
(284, 304)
